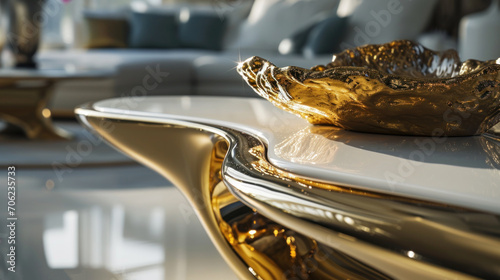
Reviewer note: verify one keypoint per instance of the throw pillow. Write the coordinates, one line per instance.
(271, 21)
(153, 30)
(234, 16)
(107, 32)
(295, 43)
(325, 37)
(382, 21)
(202, 31)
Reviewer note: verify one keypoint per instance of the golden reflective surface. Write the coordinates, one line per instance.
(188, 157)
(269, 223)
(271, 250)
(395, 88)
(254, 246)
(403, 238)
(24, 108)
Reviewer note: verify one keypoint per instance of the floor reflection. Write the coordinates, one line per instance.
(102, 220)
(60, 239)
(109, 234)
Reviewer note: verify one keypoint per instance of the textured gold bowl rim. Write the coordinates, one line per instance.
(394, 88)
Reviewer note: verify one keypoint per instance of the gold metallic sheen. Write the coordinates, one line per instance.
(395, 88)
(269, 223)
(254, 246)
(24, 108)
(186, 158)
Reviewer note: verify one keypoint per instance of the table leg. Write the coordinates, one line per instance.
(26, 108)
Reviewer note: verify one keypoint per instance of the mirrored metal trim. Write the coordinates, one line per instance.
(397, 237)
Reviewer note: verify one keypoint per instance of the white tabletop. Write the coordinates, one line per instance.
(463, 171)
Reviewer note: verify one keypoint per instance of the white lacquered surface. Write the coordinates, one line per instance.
(462, 171)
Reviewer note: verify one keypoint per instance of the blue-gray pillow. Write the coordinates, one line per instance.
(295, 43)
(326, 36)
(202, 31)
(154, 30)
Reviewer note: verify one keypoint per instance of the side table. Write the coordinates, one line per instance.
(24, 94)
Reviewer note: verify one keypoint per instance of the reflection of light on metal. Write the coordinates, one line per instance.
(49, 184)
(339, 217)
(252, 271)
(349, 221)
(252, 233)
(46, 113)
(290, 241)
(365, 229)
(60, 240)
(300, 208)
(305, 147)
(411, 254)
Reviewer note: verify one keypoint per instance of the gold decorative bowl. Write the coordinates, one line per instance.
(394, 88)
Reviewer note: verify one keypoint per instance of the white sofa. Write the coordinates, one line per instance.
(204, 72)
(190, 72)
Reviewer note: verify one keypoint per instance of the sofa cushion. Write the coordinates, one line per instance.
(234, 16)
(295, 43)
(270, 21)
(220, 68)
(381, 21)
(153, 30)
(325, 37)
(182, 71)
(133, 66)
(202, 30)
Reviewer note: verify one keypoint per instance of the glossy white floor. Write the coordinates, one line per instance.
(102, 220)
